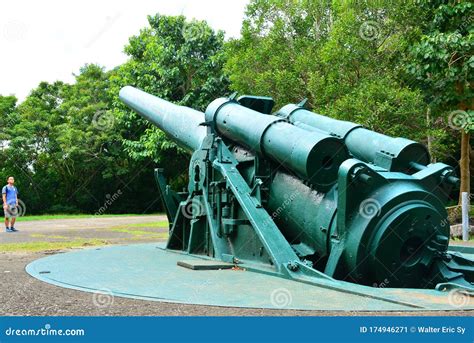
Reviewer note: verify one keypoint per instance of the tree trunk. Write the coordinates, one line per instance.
(429, 139)
(464, 164)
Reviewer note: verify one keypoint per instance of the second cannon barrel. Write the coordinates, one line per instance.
(313, 156)
(392, 153)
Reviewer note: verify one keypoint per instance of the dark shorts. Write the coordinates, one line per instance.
(11, 211)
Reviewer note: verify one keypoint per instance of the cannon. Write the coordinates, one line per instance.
(306, 197)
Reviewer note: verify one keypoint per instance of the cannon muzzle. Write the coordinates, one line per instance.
(182, 124)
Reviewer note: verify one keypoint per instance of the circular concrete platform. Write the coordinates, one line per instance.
(146, 271)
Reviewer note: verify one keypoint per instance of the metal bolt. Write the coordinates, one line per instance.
(293, 266)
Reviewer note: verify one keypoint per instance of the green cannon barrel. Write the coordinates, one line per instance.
(182, 124)
(313, 156)
(394, 154)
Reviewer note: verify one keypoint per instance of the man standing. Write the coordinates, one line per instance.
(10, 204)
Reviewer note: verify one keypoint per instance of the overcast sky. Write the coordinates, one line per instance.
(49, 40)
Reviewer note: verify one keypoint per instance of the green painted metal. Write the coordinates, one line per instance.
(313, 156)
(308, 198)
(150, 272)
(394, 154)
(174, 120)
(171, 199)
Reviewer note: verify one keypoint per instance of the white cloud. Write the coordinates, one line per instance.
(49, 40)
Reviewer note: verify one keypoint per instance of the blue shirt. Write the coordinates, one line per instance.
(11, 193)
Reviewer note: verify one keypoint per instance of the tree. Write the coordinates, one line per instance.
(73, 147)
(7, 108)
(347, 58)
(176, 60)
(90, 152)
(277, 51)
(65, 150)
(30, 129)
(444, 66)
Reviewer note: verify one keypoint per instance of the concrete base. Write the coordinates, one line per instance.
(147, 271)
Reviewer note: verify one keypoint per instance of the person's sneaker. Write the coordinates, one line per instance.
(13, 229)
(8, 229)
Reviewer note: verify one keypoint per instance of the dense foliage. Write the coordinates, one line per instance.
(401, 68)
(348, 60)
(178, 61)
(444, 64)
(64, 149)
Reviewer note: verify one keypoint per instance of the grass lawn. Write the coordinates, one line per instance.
(77, 216)
(44, 246)
(460, 241)
(48, 241)
(160, 223)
